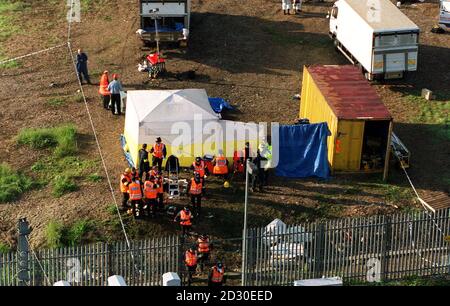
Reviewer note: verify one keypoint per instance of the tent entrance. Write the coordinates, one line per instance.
(375, 139)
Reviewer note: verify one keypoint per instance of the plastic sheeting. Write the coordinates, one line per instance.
(126, 153)
(219, 104)
(303, 151)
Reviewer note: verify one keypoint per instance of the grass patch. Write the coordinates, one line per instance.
(12, 184)
(63, 185)
(63, 173)
(56, 102)
(62, 139)
(435, 113)
(95, 177)
(54, 234)
(59, 235)
(395, 194)
(4, 248)
(8, 12)
(9, 65)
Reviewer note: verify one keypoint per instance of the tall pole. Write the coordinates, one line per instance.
(244, 232)
(157, 35)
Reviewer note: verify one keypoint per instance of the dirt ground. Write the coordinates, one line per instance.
(247, 52)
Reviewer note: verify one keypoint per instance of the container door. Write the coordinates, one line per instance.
(395, 62)
(348, 144)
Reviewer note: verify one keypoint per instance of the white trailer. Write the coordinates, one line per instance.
(172, 21)
(444, 14)
(376, 36)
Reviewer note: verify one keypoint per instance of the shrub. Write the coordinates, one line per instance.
(54, 234)
(62, 138)
(37, 138)
(4, 248)
(63, 185)
(77, 231)
(12, 184)
(95, 177)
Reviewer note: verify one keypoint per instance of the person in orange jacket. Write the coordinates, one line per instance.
(216, 277)
(103, 89)
(150, 195)
(220, 163)
(195, 188)
(190, 260)
(125, 181)
(135, 191)
(185, 218)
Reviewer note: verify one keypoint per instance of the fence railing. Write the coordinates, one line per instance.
(356, 249)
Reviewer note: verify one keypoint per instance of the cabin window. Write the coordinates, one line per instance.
(334, 12)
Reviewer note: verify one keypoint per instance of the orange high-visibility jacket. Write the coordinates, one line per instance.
(190, 258)
(196, 188)
(217, 277)
(135, 191)
(185, 218)
(103, 88)
(158, 150)
(124, 187)
(221, 165)
(150, 192)
(203, 245)
(199, 168)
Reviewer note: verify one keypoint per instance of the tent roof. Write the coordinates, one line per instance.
(170, 105)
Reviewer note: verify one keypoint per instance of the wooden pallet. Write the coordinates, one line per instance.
(437, 199)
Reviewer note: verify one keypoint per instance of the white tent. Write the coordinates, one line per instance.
(185, 122)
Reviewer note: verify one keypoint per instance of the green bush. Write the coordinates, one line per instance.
(95, 177)
(54, 234)
(12, 184)
(59, 235)
(63, 185)
(62, 138)
(4, 248)
(37, 139)
(67, 144)
(77, 231)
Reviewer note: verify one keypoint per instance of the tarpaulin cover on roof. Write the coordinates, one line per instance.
(219, 104)
(303, 151)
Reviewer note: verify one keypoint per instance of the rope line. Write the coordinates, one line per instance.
(69, 47)
(31, 54)
(38, 261)
(420, 199)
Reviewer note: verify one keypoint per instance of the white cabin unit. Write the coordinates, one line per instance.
(375, 35)
(165, 20)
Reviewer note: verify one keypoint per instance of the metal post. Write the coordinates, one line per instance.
(23, 250)
(156, 29)
(244, 233)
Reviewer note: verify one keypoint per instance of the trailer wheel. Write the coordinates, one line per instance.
(336, 44)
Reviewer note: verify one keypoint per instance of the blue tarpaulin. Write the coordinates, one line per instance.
(303, 151)
(123, 143)
(219, 104)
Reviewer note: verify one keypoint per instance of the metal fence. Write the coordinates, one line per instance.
(91, 265)
(358, 249)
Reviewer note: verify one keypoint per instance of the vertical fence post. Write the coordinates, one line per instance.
(23, 251)
(386, 248)
(319, 250)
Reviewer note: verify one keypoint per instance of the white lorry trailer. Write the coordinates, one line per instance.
(172, 21)
(376, 36)
(444, 15)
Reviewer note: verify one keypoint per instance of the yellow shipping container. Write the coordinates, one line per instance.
(359, 123)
